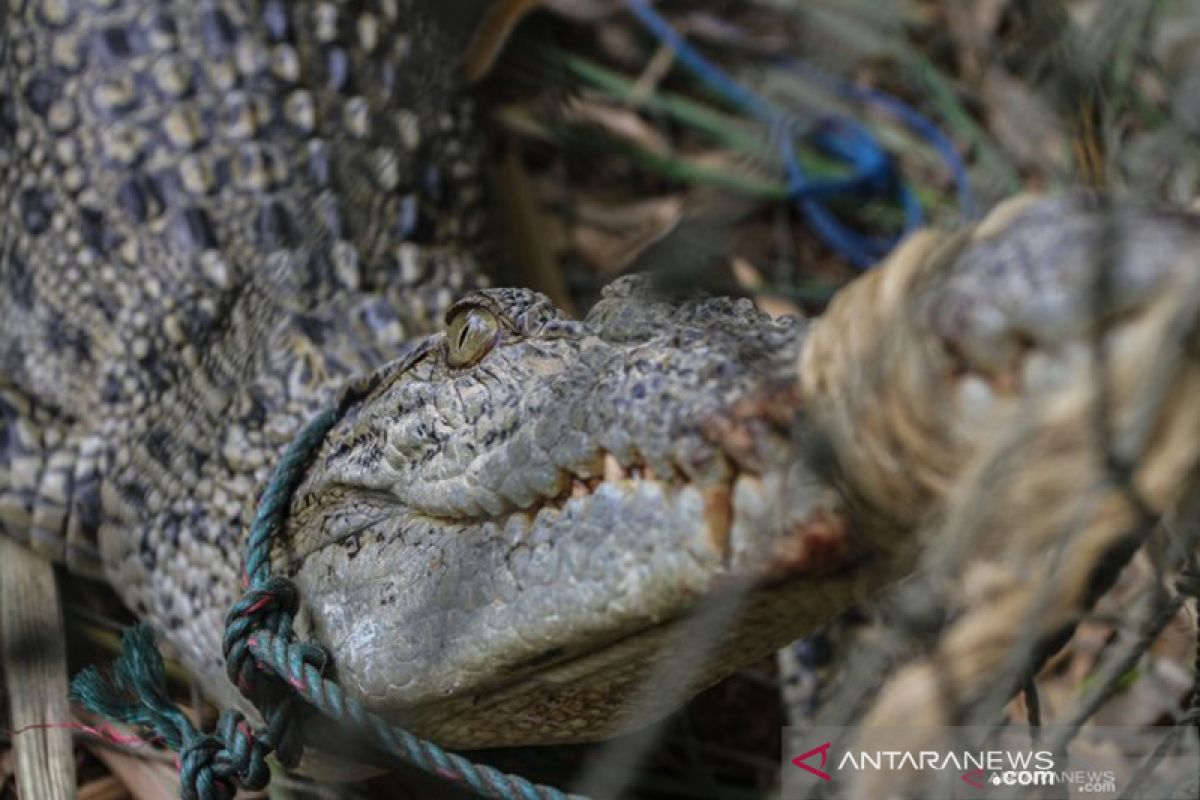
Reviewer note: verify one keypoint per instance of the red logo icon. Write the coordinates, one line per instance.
(969, 778)
(824, 751)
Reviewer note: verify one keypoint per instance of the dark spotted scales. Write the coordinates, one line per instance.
(213, 212)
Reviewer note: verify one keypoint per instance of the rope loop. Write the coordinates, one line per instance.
(271, 606)
(199, 770)
(274, 671)
(244, 751)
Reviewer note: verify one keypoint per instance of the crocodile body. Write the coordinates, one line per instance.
(217, 215)
(213, 214)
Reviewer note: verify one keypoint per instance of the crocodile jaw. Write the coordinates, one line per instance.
(467, 534)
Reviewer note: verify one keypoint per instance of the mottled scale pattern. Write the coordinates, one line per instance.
(212, 212)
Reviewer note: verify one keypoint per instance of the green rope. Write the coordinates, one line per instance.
(272, 669)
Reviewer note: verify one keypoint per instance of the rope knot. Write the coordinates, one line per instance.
(268, 606)
(245, 750)
(265, 601)
(199, 773)
(259, 641)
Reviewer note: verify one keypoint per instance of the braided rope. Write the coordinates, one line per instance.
(272, 669)
(1189, 585)
(874, 173)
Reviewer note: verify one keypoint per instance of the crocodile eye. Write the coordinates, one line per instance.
(470, 336)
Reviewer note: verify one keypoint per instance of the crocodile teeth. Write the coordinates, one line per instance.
(613, 471)
(718, 512)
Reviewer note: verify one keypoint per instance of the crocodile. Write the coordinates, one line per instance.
(218, 216)
(221, 217)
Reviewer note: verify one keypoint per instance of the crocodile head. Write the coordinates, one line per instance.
(498, 539)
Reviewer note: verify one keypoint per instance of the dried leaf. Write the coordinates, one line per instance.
(973, 26)
(530, 233)
(776, 306)
(1023, 123)
(106, 788)
(502, 17)
(499, 21)
(621, 122)
(746, 274)
(610, 238)
(144, 776)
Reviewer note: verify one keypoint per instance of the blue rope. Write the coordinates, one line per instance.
(914, 120)
(272, 669)
(873, 172)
